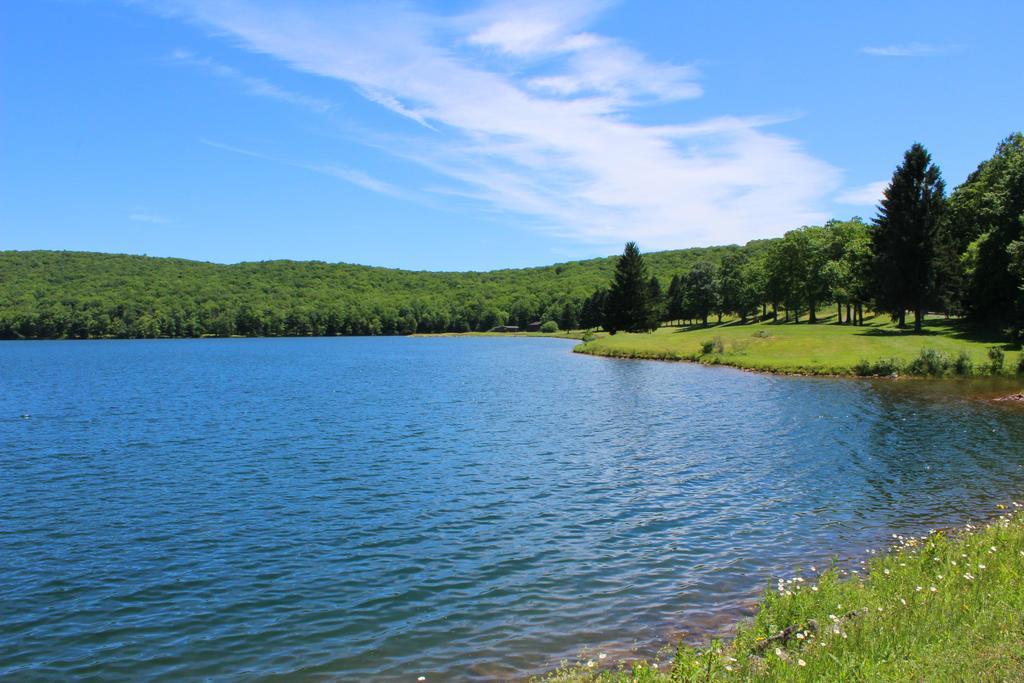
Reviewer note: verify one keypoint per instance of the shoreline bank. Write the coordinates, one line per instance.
(877, 349)
(943, 606)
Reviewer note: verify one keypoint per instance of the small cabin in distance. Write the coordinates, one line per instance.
(505, 328)
(534, 326)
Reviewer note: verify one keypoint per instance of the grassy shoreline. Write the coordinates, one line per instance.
(578, 335)
(947, 348)
(946, 606)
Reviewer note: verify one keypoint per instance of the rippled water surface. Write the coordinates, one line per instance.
(454, 508)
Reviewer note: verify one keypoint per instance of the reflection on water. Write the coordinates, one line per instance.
(449, 507)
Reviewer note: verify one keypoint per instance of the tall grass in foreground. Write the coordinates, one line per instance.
(938, 608)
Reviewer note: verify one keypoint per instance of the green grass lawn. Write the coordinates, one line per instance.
(938, 608)
(824, 348)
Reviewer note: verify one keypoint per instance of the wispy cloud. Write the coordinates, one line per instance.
(865, 195)
(349, 175)
(251, 85)
(153, 218)
(907, 50)
(523, 108)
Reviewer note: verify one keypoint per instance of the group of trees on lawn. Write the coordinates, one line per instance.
(961, 255)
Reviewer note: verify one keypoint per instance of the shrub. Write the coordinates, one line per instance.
(549, 327)
(713, 345)
(963, 365)
(881, 367)
(996, 359)
(1020, 364)
(589, 337)
(930, 362)
(887, 366)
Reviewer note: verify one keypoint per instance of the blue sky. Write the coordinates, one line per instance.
(466, 135)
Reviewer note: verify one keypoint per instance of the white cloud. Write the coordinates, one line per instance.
(865, 195)
(531, 114)
(348, 175)
(532, 28)
(153, 218)
(355, 177)
(252, 85)
(906, 50)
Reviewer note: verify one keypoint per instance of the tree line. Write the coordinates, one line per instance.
(924, 252)
(962, 255)
(81, 295)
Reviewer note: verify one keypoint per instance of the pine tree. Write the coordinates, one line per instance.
(628, 306)
(657, 307)
(904, 237)
(674, 299)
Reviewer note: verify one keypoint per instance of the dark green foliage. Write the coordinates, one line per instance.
(930, 362)
(963, 365)
(735, 294)
(569, 317)
(996, 359)
(674, 300)
(629, 307)
(656, 301)
(985, 231)
(882, 367)
(592, 313)
(700, 292)
(904, 239)
(549, 327)
(713, 345)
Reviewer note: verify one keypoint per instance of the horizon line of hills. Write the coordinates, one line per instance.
(75, 294)
(272, 261)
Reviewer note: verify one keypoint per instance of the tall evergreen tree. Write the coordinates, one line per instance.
(657, 307)
(904, 238)
(592, 312)
(674, 304)
(628, 307)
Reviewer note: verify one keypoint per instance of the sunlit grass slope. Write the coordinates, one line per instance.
(878, 347)
(934, 609)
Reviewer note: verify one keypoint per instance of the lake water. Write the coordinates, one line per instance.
(386, 508)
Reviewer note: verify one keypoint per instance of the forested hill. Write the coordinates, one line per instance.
(57, 294)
